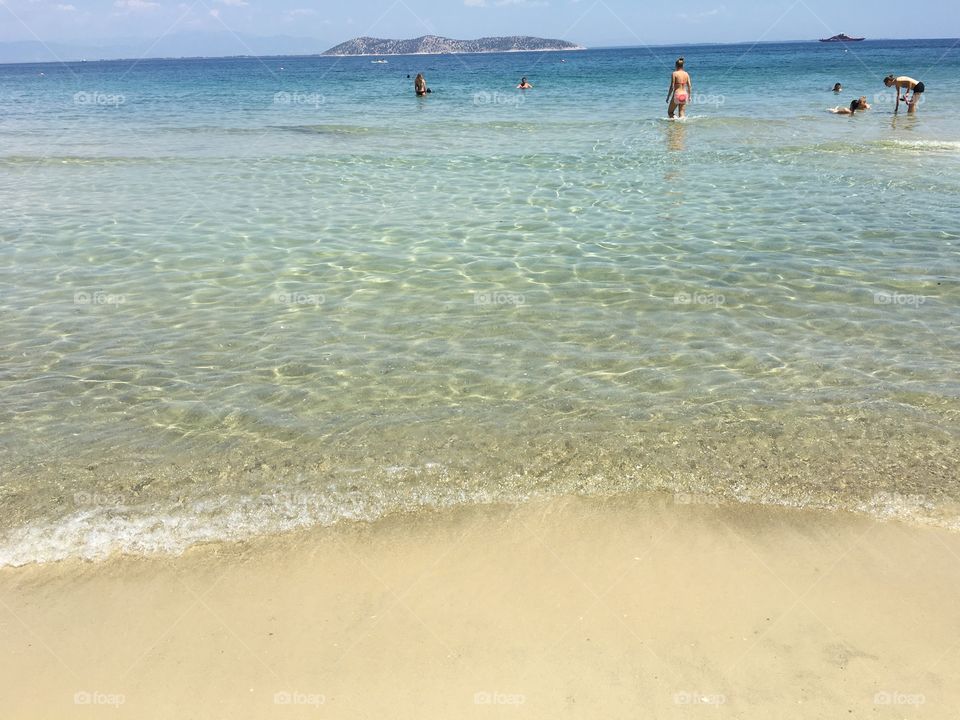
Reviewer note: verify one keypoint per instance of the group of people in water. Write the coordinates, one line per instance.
(903, 86)
(681, 90)
(421, 89)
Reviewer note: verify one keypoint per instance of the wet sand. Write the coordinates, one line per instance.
(653, 607)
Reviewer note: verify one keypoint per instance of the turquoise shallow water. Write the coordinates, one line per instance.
(241, 296)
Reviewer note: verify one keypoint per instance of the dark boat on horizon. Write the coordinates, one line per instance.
(841, 38)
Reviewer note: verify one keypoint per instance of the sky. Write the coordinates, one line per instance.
(593, 23)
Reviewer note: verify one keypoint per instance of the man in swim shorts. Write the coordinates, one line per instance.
(680, 89)
(904, 84)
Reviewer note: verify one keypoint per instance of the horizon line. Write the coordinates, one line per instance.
(322, 54)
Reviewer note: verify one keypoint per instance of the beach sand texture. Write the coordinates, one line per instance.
(652, 607)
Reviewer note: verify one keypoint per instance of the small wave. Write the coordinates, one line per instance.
(328, 129)
(96, 533)
(922, 145)
(211, 129)
(16, 160)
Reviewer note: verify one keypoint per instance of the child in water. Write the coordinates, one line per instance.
(858, 104)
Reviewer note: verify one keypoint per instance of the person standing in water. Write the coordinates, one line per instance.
(524, 85)
(904, 84)
(420, 85)
(680, 89)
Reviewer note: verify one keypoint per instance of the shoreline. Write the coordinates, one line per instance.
(132, 499)
(584, 607)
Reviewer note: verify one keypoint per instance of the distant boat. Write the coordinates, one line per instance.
(841, 38)
(379, 62)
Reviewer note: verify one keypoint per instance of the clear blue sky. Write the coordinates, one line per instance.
(590, 22)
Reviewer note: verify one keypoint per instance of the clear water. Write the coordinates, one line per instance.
(241, 296)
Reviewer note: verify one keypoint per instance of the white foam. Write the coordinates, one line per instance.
(949, 145)
(96, 534)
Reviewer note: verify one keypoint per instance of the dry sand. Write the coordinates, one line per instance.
(625, 608)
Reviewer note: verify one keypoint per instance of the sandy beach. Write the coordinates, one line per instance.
(655, 607)
(321, 397)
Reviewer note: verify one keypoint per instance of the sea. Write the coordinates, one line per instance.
(245, 296)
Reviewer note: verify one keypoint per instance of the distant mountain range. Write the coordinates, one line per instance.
(435, 45)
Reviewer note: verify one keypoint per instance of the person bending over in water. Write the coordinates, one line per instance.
(838, 88)
(524, 85)
(680, 88)
(420, 85)
(858, 104)
(904, 84)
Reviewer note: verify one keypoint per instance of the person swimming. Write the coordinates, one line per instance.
(680, 88)
(524, 85)
(858, 104)
(420, 85)
(905, 84)
(838, 88)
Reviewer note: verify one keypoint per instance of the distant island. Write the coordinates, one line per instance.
(435, 45)
(841, 38)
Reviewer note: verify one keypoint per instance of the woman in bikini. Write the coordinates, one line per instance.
(680, 88)
(420, 85)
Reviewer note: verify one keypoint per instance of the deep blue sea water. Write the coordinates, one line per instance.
(239, 296)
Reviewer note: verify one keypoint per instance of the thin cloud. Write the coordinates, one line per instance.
(136, 5)
(704, 15)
